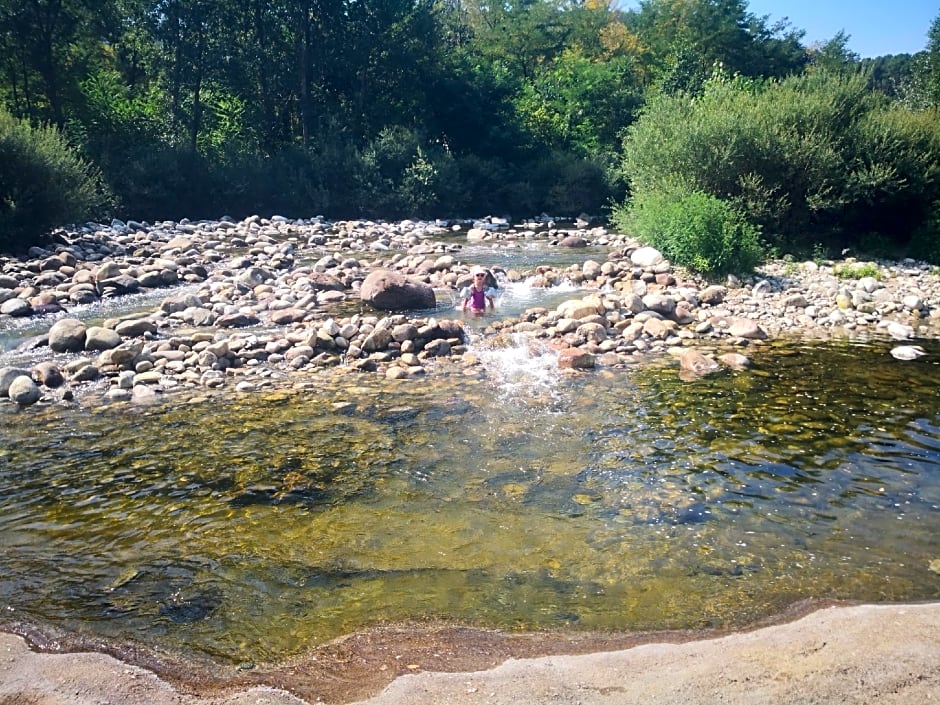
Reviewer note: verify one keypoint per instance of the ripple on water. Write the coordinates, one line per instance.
(248, 529)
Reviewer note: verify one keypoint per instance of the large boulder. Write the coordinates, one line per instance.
(388, 290)
(67, 335)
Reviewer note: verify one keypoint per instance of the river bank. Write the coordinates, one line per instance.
(275, 304)
(265, 303)
(857, 655)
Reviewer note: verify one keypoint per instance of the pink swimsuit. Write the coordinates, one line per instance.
(478, 299)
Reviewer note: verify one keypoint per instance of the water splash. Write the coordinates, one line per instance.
(523, 370)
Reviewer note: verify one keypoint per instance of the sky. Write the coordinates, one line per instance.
(875, 27)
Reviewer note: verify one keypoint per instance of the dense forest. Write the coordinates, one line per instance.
(715, 133)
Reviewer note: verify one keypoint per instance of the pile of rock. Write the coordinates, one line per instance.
(260, 300)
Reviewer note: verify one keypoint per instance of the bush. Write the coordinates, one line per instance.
(694, 230)
(43, 183)
(809, 156)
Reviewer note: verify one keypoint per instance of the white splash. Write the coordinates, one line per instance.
(523, 370)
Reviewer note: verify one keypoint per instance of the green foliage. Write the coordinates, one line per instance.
(693, 229)
(429, 108)
(43, 183)
(580, 104)
(855, 270)
(834, 55)
(802, 157)
(687, 37)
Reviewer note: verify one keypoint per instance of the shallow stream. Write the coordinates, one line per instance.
(250, 528)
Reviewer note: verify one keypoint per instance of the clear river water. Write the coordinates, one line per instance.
(250, 528)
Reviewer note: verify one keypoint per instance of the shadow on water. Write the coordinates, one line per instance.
(250, 529)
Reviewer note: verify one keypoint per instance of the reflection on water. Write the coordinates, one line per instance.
(620, 499)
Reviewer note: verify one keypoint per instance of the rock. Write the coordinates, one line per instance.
(404, 331)
(592, 332)
(577, 309)
(237, 320)
(324, 281)
(135, 327)
(661, 304)
(98, 338)
(118, 394)
(67, 335)
(712, 295)
(388, 290)
(107, 270)
(646, 257)
(16, 307)
(899, 331)
(436, 348)
(907, 352)
(796, 301)
(683, 314)
(735, 361)
(7, 375)
(573, 241)
(175, 304)
(198, 316)
(287, 316)
(396, 372)
(575, 359)
(48, 374)
(694, 364)
(377, 340)
(142, 394)
(123, 354)
(746, 328)
(85, 373)
(658, 329)
(24, 391)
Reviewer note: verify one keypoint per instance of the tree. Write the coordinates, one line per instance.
(932, 68)
(47, 47)
(695, 35)
(834, 55)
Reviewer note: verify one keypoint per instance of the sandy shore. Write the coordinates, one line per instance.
(885, 654)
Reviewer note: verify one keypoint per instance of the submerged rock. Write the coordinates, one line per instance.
(907, 352)
(694, 364)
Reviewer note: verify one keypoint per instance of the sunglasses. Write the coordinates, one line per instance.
(479, 276)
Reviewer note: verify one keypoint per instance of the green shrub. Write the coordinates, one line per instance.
(694, 230)
(857, 270)
(43, 183)
(806, 157)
